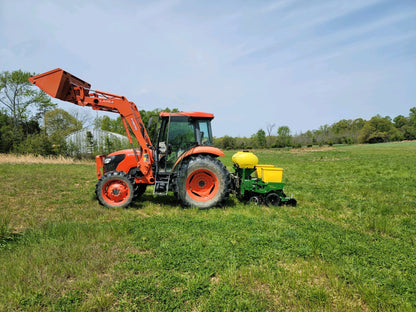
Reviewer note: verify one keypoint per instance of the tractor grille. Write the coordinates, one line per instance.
(113, 163)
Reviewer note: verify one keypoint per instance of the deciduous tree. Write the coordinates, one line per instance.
(284, 138)
(260, 139)
(379, 129)
(20, 99)
(60, 123)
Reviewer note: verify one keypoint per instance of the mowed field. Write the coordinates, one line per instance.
(349, 245)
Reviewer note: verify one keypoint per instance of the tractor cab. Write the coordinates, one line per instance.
(185, 160)
(178, 133)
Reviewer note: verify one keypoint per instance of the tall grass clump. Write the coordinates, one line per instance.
(5, 230)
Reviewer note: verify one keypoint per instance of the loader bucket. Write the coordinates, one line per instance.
(60, 84)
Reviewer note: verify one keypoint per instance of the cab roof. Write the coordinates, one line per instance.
(189, 114)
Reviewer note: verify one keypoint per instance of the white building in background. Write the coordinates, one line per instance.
(88, 141)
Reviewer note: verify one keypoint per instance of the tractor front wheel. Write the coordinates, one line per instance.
(202, 181)
(115, 189)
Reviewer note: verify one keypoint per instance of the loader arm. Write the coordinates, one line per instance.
(66, 87)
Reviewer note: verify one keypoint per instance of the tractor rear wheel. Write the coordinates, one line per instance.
(202, 181)
(115, 189)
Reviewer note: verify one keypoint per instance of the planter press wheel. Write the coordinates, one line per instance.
(255, 200)
(291, 202)
(273, 200)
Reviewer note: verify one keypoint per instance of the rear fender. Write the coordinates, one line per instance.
(216, 152)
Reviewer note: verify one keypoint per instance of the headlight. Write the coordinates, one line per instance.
(111, 162)
(108, 160)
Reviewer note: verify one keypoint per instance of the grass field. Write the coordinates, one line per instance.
(349, 245)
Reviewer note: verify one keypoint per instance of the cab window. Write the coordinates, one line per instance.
(205, 132)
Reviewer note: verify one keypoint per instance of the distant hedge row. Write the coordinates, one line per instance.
(376, 130)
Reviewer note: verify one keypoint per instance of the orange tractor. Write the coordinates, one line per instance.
(183, 159)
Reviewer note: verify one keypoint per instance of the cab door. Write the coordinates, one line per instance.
(176, 136)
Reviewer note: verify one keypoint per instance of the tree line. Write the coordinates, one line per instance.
(358, 131)
(30, 123)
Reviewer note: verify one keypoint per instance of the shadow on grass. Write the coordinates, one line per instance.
(170, 201)
(7, 233)
(9, 238)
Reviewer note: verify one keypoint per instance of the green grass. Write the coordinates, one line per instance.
(348, 246)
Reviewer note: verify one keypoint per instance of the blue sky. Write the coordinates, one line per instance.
(301, 63)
